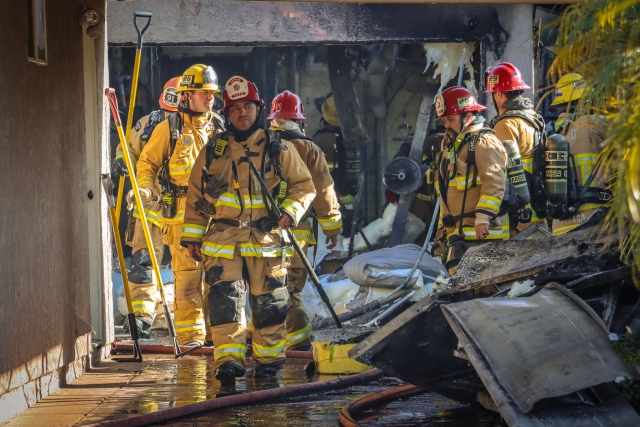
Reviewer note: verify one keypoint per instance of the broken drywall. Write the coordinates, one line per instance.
(447, 58)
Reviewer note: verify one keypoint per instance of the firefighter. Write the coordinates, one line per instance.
(471, 176)
(142, 289)
(287, 117)
(169, 157)
(516, 121)
(586, 138)
(246, 242)
(345, 160)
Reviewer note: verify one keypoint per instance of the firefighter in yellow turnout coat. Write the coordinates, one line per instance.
(586, 137)
(169, 156)
(141, 285)
(286, 117)
(245, 244)
(476, 217)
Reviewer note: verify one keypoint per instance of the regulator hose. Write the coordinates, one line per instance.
(242, 399)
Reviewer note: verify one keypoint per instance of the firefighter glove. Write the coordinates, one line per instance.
(120, 167)
(145, 196)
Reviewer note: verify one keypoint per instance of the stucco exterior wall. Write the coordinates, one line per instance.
(44, 225)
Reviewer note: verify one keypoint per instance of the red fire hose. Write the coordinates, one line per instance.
(346, 415)
(168, 349)
(242, 399)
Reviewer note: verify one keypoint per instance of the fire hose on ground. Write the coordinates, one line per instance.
(243, 399)
(202, 351)
(347, 413)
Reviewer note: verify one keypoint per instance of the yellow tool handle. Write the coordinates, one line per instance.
(123, 266)
(119, 199)
(108, 189)
(136, 192)
(132, 105)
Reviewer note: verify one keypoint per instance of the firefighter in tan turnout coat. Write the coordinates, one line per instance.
(245, 244)
(471, 177)
(287, 115)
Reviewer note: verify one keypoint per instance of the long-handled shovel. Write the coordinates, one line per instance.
(133, 328)
(113, 103)
(296, 246)
(132, 98)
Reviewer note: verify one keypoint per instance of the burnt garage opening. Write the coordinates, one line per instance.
(395, 55)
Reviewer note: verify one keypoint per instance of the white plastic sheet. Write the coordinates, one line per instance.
(388, 267)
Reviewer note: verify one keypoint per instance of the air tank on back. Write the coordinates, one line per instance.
(515, 171)
(556, 156)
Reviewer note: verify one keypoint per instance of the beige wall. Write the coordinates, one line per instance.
(44, 225)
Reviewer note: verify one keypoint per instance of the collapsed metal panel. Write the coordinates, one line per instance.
(547, 345)
(601, 405)
(503, 261)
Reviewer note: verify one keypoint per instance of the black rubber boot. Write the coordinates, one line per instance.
(267, 370)
(144, 328)
(227, 373)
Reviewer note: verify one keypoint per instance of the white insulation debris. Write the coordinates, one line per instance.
(379, 231)
(447, 57)
(521, 288)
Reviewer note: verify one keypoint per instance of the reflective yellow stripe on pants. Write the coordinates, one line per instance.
(143, 306)
(298, 336)
(189, 325)
(235, 350)
(268, 351)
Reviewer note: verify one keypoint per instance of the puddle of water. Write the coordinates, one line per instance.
(322, 409)
(169, 383)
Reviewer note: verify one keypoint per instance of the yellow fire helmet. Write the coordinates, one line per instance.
(329, 112)
(570, 87)
(198, 77)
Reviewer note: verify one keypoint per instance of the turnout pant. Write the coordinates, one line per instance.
(189, 309)
(268, 300)
(142, 284)
(298, 324)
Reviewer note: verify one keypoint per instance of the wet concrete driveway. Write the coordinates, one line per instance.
(118, 390)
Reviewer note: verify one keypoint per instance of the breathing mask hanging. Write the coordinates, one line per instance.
(457, 248)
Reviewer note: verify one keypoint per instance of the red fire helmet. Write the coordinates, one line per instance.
(287, 105)
(456, 100)
(239, 89)
(505, 77)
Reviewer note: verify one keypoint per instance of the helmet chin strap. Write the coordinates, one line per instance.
(493, 101)
(463, 126)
